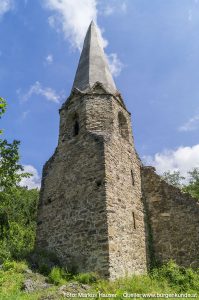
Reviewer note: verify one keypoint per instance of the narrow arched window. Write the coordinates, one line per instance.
(76, 128)
(123, 126)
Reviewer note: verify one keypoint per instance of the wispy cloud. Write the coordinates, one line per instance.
(32, 182)
(115, 64)
(191, 125)
(182, 159)
(49, 59)
(108, 10)
(38, 89)
(114, 7)
(73, 19)
(5, 6)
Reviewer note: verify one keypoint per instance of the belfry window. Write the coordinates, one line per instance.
(123, 126)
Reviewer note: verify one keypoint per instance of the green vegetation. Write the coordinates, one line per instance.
(86, 278)
(57, 276)
(191, 187)
(25, 274)
(169, 279)
(17, 204)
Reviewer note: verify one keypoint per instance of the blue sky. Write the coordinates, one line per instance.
(153, 49)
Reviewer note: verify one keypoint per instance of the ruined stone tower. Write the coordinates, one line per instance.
(90, 211)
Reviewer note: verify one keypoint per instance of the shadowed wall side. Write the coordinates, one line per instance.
(173, 218)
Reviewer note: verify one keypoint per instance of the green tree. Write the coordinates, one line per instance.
(17, 204)
(193, 187)
(11, 171)
(173, 178)
(3, 105)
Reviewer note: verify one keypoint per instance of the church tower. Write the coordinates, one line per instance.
(90, 212)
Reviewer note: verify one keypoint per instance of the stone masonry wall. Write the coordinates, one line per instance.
(173, 220)
(72, 217)
(126, 229)
(90, 211)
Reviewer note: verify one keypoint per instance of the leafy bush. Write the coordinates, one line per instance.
(5, 253)
(86, 278)
(18, 223)
(57, 276)
(182, 279)
(18, 267)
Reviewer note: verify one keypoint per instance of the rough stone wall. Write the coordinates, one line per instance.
(90, 210)
(173, 221)
(72, 217)
(126, 228)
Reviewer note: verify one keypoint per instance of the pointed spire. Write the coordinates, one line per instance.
(93, 66)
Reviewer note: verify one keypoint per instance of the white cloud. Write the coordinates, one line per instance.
(108, 10)
(182, 159)
(74, 17)
(191, 124)
(32, 182)
(115, 64)
(37, 89)
(5, 6)
(49, 59)
(114, 7)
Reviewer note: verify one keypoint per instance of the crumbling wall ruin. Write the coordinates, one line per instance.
(173, 221)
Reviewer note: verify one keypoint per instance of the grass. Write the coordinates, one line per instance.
(168, 279)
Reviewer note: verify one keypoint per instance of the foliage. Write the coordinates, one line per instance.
(191, 187)
(17, 204)
(57, 276)
(11, 171)
(18, 267)
(86, 278)
(168, 279)
(3, 105)
(182, 279)
(174, 178)
(17, 228)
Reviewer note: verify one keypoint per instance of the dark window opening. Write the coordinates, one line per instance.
(132, 178)
(76, 128)
(49, 200)
(123, 126)
(99, 183)
(134, 223)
